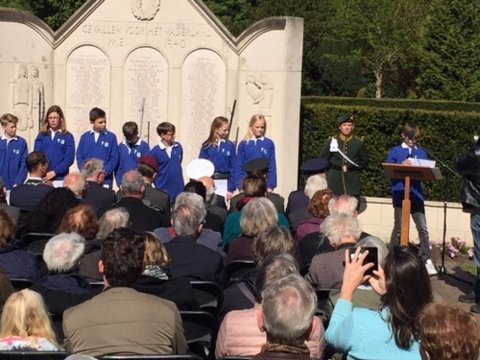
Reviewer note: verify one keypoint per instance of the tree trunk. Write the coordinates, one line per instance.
(378, 84)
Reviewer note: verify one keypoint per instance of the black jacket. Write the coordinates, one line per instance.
(469, 166)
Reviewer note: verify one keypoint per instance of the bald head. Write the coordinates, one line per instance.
(76, 183)
(208, 182)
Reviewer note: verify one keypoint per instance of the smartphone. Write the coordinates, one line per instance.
(372, 257)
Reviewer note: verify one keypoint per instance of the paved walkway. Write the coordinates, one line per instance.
(447, 287)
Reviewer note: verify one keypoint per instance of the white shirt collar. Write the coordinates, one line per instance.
(4, 137)
(405, 146)
(163, 146)
(139, 141)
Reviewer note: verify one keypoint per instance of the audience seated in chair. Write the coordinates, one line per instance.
(14, 260)
(241, 294)
(142, 217)
(28, 195)
(448, 333)
(83, 221)
(299, 214)
(189, 259)
(155, 278)
(25, 324)
(318, 211)
(96, 195)
(46, 217)
(317, 243)
(63, 287)
(121, 319)
(208, 237)
(287, 316)
(253, 187)
(405, 289)
(257, 216)
(239, 333)
(326, 269)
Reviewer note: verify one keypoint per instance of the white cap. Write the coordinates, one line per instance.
(199, 168)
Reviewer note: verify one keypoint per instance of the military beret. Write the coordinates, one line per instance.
(199, 168)
(344, 118)
(150, 161)
(256, 165)
(315, 166)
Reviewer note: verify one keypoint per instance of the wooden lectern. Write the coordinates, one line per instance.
(409, 173)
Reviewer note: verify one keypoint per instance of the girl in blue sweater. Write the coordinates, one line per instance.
(13, 153)
(56, 143)
(221, 152)
(388, 333)
(256, 146)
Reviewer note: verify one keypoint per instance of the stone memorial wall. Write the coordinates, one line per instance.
(153, 61)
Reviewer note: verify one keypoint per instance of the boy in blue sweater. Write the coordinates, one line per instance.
(129, 150)
(169, 155)
(99, 143)
(13, 153)
(402, 154)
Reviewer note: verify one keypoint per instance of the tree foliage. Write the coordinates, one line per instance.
(451, 51)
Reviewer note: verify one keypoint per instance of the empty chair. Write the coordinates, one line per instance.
(207, 293)
(20, 283)
(35, 242)
(238, 269)
(200, 328)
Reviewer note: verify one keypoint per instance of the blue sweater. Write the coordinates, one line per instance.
(13, 155)
(365, 334)
(60, 152)
(256, 149)
(170, 175)
(396, 156)
(223, 158)
(128, 157)
(105, 149)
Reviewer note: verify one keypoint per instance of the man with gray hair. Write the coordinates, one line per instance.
(287, 316)
(96, 195)
(63, 287)
(190, 259)
(208, 237)
(142, 217)
(343, 205)
(314, 183)
(326, 269)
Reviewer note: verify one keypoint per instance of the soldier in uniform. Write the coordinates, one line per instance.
(347, 156)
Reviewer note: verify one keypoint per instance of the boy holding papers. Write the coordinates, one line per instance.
(408, 153)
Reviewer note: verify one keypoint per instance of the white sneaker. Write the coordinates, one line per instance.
(430, 268)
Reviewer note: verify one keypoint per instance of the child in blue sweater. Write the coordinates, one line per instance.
(405, 153)
(13, 153)
(57, 143)
(99, 143)
(221, 152)
(129, 150)
(169, 155)
(256, 146)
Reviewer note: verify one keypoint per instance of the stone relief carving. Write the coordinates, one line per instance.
(260, 89)
(21, 97)
(38, 97)
(144, 10)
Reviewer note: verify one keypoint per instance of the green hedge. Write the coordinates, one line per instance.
(444, 134)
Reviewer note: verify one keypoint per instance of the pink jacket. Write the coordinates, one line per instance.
(239, 335)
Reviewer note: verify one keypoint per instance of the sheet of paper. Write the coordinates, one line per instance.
(422, 162)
